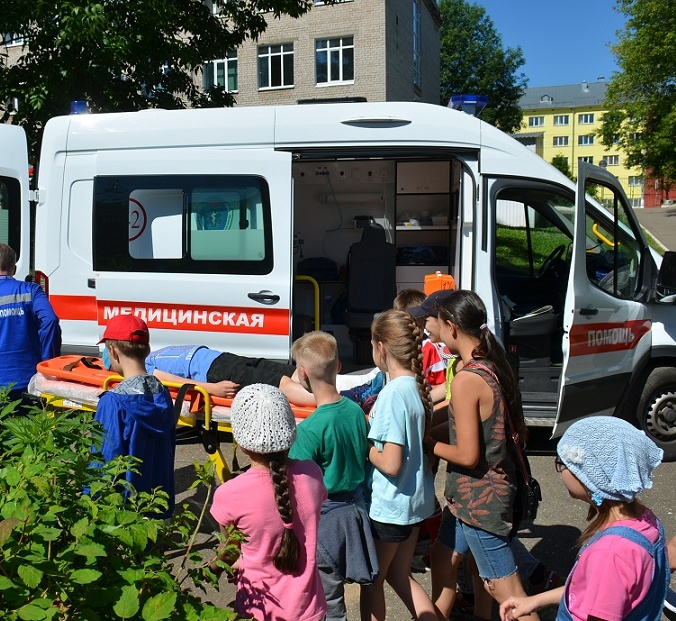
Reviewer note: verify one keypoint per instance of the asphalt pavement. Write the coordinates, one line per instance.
(552, 537)
(660, 223)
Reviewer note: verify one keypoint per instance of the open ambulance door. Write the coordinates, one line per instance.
(606, 318)
(198, 242)
(14, 192)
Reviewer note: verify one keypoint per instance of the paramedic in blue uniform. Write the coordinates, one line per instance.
(29, 328)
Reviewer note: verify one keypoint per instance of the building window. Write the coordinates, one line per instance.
(560, 141)
(585, 119)
(335, 60)
(635, 181)
(222, 73)
(612, 160)
(636, 202)
(536, 121)
(12, 39)
(561, 119)
(588, 159)
(585, 140)
(546, 99)
(635, 136)
(275, 66)
(416, 42)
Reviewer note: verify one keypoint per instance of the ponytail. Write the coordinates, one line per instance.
(286, 557)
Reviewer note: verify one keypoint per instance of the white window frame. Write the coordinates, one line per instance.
(560, 141)
(585, 140)
(231, 58)
(585, 158)
(561, 119)
(536, 121)
(635, 181)
(331, 47)
(612, 160)
(585, 119)
(12, 40)
(286, 50)
(417, 37)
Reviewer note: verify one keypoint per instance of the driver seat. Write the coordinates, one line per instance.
(530, 335)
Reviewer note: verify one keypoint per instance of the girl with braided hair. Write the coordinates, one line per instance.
(481, 472)
(400, 478)
(276, 504)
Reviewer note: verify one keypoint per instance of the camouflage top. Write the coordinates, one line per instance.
(484, 496)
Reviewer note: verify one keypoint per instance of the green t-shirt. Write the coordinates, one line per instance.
(334, 437)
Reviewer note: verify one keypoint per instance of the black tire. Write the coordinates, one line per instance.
(656, 411)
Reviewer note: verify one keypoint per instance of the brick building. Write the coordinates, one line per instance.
(377, 50)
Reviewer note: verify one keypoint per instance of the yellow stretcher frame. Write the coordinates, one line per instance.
(199, 417)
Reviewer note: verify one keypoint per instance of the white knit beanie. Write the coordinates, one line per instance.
(610, 457)
(262, 419)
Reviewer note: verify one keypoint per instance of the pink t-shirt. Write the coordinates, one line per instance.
(248, 502)
(613, 574)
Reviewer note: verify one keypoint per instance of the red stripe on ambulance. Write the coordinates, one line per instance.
(273, 321)
(600, 338)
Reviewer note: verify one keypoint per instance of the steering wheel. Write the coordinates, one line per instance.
(555, 258)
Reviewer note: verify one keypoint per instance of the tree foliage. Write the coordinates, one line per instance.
(123, 56)
(473, 60)
(561, 163)
(641, 97)
(66, 554)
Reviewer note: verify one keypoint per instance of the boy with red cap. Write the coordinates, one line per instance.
(138, 414)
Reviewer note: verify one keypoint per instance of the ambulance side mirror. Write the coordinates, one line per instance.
(666, 279)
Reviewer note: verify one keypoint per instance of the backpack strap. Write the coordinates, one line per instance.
(629, 533)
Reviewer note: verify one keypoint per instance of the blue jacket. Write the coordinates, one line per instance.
(143, 425)
(29, 331)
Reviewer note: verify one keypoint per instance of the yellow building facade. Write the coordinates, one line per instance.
(564, 121)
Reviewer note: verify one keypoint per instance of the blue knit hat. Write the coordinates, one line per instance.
(610, 457)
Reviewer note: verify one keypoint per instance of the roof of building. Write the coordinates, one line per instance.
(564, 96)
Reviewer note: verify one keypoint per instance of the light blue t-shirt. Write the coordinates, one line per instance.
(189, 361)
(398, 417)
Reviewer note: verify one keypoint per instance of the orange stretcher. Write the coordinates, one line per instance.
(76, 382)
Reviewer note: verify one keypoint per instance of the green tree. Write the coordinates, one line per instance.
(66, 554)
(473, 60)
(122, 56)
(641, 97)
(561, 162)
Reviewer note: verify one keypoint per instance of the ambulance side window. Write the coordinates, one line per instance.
(202, 224)
(10, 212)
(613, 252)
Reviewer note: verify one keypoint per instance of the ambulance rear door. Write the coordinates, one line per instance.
(197, 242)
(607, 323)
(14, 192)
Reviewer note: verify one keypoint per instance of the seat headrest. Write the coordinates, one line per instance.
(374, 234)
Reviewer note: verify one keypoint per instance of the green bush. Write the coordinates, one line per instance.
(67, 554)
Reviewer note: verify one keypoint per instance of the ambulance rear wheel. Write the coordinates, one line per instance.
(657, 410)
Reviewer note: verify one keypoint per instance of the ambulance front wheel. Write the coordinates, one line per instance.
(657, 409)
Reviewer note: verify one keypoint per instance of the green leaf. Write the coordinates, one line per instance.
(90, 550)
(6, 583)
(30, 575)
(159, 607)
(31, 613)
(6, 528)
(12, 476)
(85, 576)
(128, 604)
(79, 528)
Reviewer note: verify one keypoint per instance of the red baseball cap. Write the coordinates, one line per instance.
(126, 328)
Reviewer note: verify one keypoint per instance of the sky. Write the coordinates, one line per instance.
(562, 42)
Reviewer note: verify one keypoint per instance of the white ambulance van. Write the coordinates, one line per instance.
(201, 222)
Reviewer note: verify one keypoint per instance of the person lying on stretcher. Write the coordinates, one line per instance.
(222, 374)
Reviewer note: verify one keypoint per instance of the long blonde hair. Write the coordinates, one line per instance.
(399, 332)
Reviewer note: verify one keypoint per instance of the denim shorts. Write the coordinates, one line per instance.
(492, 553)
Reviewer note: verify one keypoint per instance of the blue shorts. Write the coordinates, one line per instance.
(492, 553)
